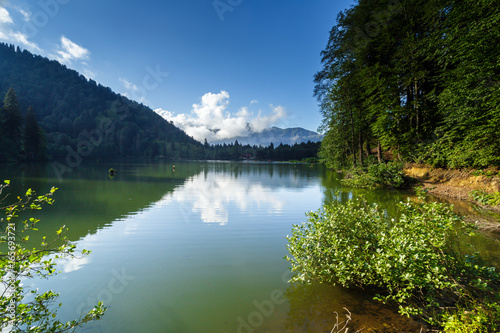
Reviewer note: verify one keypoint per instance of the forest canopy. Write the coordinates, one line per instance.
(417, 78)
(71, 109)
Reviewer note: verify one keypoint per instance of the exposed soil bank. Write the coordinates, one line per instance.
(457, 185)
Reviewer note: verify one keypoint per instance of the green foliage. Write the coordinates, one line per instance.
(18, 142)
(471, 98)
(34, 143)
(485, 198)
(418, 77)
(11, 122)
(84, 116)
(487, 173)
(389, 175)
(479, 318)
(414, 259)
(311, 160)
(420, 191)
(23, 310)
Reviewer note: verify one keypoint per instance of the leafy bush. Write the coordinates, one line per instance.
(487, 173)
(413, 259)
(379, 175)
(447, 153)
(21, 309)
(480, 318)
(311, 160)
(484, 198)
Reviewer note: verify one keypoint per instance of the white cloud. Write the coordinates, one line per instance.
(74, 55)
(21, 38)
(67, 52)
(212, 121)
(128, 85)
(12, 36)
(5, 16)
(26, 14)
(88, 73)
(133, 91)
(70, 51)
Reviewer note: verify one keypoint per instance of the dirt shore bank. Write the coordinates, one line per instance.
(457, 186)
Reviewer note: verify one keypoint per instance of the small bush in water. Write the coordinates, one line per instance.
(413, 259)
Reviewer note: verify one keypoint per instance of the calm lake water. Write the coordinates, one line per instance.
(195, 249)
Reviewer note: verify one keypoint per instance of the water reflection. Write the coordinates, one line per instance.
(212, 194)
(314, 307)
(156, 239)
(73, 264)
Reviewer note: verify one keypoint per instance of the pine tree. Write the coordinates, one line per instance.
(11, 126)
(34, 147)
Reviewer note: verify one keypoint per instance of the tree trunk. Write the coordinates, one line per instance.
(417, 108)
(379, 152)
(353, 140)
(360, 147)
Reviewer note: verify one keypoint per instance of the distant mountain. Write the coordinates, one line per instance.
(80, 116)
(276, 136)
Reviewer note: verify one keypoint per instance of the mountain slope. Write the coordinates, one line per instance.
(80, 115)
(276, 136)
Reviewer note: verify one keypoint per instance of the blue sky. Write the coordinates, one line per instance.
(200, 63)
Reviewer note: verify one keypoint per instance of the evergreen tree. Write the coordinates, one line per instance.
(11, 127)
(34, 146)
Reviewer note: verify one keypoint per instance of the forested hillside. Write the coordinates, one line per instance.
(72, 109)
(419, 78)
(52, 112)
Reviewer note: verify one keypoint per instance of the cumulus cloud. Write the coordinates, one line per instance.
(9, 34)
(211, 119)
(70, 51)
(5, 17)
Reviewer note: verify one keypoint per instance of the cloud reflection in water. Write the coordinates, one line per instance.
(211, 194)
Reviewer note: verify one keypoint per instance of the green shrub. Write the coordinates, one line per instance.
(482, 318)
(378, 175)
(311, 160)
(413, 259)
(487, 173)
(23, 309)
(485, 198)
(448, 153)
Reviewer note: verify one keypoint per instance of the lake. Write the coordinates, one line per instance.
(198, 248)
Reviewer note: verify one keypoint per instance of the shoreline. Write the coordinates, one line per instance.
(457, 185)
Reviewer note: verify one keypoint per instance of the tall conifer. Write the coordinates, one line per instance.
(33, 137)
(11, 125)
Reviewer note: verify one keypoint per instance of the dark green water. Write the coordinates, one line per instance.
(198, 249)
